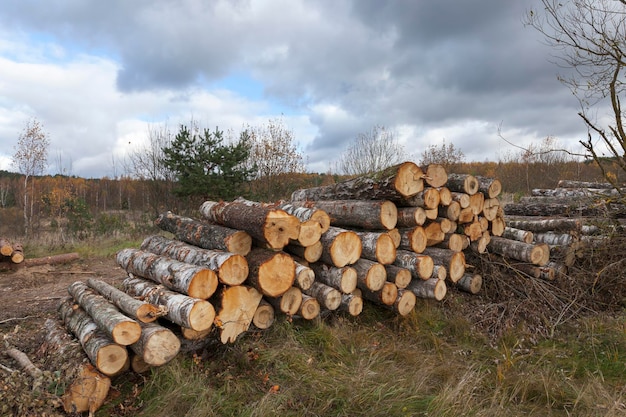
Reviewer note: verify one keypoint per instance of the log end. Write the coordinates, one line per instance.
(456, 267)
(436, 176)
(376, 277)
(402, 277)
(234, 270)
(279, 228)
(424, 267)
(385, 249)
(388, 215)
(203, 284)
(201, 315)
(239, 242)
(126, 333)
(87, 392)
(111, 359)
(348, 280)
(405, 302)
(290, 301)
(409, 179)
(161, 348)
(310, 308)
(310, 232)
(264, 315)
(345, 249)
(277, 275)
(354, 306)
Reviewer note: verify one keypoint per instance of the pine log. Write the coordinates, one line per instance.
(537, 254)
(470, 283)
(185, 311)
(377, 246)
(310, 307)
(122, 329)
(17, 255)
(413, 239)
(518, 234)
(410, 217)
(52, 260)
(453, 261)
(231, 268)
(369, 274)
(395, 236)
(435, 175)
(272, 273)
(362, 214)
(236, 306)
(491, 187)
(546, 225)
(205, 235)
(264, 315)
(87, 388)
(327, 297)
(452, 211)
(387, 295)
(463, 183)
(157, 344)
(272, 226)
(311, 253)
(445, 196)
(432, 288)
(394, 184)
(351, 304)
(428, 199)
(192, 280)
(343, 279)
(307, 212)
(136, 309)
(399, 276)
(420, 265)
(341, 247)
(304, 276)
(288, 303)
(107, 356)
(462, 198)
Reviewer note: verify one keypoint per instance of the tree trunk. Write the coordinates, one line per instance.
(204, 235)
(399, 276)
(351, 304)
(263, 316)
(362, 214)
(306, 212)
(369, 274)
(427, 199)
(272, 273)
(343, 279)
(107, 356)
(288, 303)
(231, 268)
(272, 226)
(432, 288)
(51, 260)
(453, 261)
(420, 266)
(328, 297)
(310, 307)
(192, 280)
(491, 187)
(414, 239)
(122, 329)
(311, 253)
(304, 276)
(139, 310)
(537, 254)
(157, 345)
(387, 295)
(410, 217)
(377, 246)
(185, 311)
(554, 239)
(470, 283)
(462, 183)
(340, 247)
(546, 225)
(236, 307)
(518, 234)
(394, 183)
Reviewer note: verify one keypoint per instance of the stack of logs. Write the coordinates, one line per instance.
(387, 238)
(11, 252)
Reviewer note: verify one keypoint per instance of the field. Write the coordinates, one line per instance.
(521, 347)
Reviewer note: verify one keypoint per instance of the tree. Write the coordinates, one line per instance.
(273, 157)
(31, 158)
(590, 37)
(204, 166)
(446, 155)
(371, 152)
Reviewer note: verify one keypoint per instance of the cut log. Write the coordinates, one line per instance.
(122, 329)
(466, 215)
(343, 279)
(546, 225)
(537, 254)
(304, 276)
(235, 307)
(497, 226)
(462, 183)
(470, 283)
(369, 274)
(138, 365)
(310, 307)
(107, 356)
(453, 241)
(264, 315)
(362, 214)
(231, 268)
(311, 253)
(490, 208)
(387, 295)
(461, 198)
(272, 226)
(377, 246)
(447, 225)
(554, 239)
(452, 211)
(341, 247)
(432, 288)
(288, 303)
(584, 184)
(272, 273)
(395, 236)
(434, 233)
(428, 199)
(192, 280)
(432, 214)
(306, 213)
(435, 175)
(52, 260)
(410, 217)
(445, 196)
(472, 230)
(405, 302)
(394, 183)
(399, 276)
(157, 344)
(479, 246)
(477, 202)
(191, 334)
(17, 256)
(138, 310)
(491, 187)
(185, 311)
(327, 297)
(351, 304)
(420, 266)
(518, 234)
(453, 261)
(565, 210)
(439, 272)
(6, 248)
(27, 365)
(413, 239)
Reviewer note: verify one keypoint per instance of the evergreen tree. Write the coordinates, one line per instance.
(205, 166)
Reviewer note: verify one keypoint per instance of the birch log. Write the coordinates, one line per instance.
(420, 266)
(432, 288)
(136, 309)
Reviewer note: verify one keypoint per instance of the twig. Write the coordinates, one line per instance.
(15, 318)
(6, 369)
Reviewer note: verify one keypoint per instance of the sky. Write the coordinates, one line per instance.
(100, 74)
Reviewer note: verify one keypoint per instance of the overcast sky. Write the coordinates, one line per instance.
(97, 74)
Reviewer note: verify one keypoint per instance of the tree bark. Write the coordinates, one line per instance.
(546, 225)
(231, 268)
(410, 217)
(377, 246)
(138, 310)
(399, 276)
(362, 214)
(369, 274)
(272, 273)
(414, 239)
(470, 283)
(52, 260)
(157, 344)
(192, 280)
(394, 184)
(453, 261)
(185, 311)
(204, 235)
(264, 315)
(107, 356)
(328, 297)
(310, 307)
(518, 234)
(288, 303)
(387, 295)
(272, 226)
(236, 307)
(311, 253)
(462, 183)
(537, 254)
(432, 288)
(343, 279)
(341, 247)
(420, 265)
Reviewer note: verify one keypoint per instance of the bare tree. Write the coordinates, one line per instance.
(31, 158)
(590, 38)
(371, 152)
(446, 155)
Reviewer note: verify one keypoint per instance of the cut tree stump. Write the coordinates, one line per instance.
(193, 313)
(231, 268)
(420, 266)
(271, 272)
(343, 279)
(341, 247)
(269, 225)
(432, 288)
(204, 235)
(236, 307)
(192, 280)
(377, 246)
(136, 309)
(121, 328)
(157, 344)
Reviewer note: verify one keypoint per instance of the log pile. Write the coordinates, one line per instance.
(11, 252)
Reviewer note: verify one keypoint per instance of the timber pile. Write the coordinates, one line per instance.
(11, 252)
